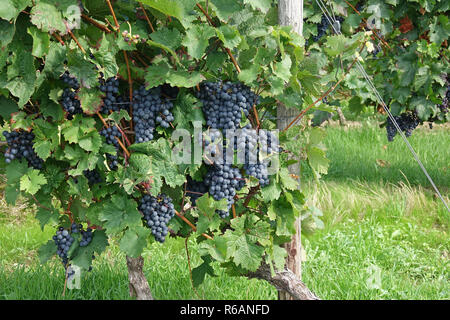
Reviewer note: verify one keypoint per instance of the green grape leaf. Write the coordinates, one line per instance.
(170, 38)
(134, 241)
(229, 36)
(199, 273)
(41, 42)
(196, 39)
(225, 8)
(46, 17)
(263, 5)
(184, 79)
(32, 181)
(47, 251)
(10, 9)
(119, 213)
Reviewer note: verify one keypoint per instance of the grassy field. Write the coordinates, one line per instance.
(385, 235)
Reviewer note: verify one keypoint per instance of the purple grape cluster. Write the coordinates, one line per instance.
(20, 145)
(112, 100)
(111, 133)
(407, 122)
(195, 189)
(322, 28)
(223, 181)
(72, 82)
(157, 211)
(86, 235)
(63, 240)
(224, 102)
(149, 110)
(93, 176)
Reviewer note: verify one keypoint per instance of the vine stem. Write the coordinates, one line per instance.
(146, 17)
(76, 40)
(95, 23)
(233, 208)
(300, 115)
(191, 225)
(228, 51)
(58, 37)
(190, 269)
(113, 14)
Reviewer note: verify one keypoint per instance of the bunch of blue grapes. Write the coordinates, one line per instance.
(149, 110)
(69, 100)
(72, 82)
(259, 171)
(322, 28)
(256, 147)
(20, 145)
(86, 235)
(63, 240)
(111, 134)
(224, 102)
(223, 181)
(93, 176)
(112, 101)
(157, 211)
(247, 143)
(70, 103)
(195, 189)
(407, 122)
(113, 161)
(213, 145)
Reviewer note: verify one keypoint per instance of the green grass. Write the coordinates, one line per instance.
(385, 235)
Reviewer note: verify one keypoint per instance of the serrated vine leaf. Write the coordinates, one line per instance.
(32, 182)
(10, 9)
(47, 251)
(119, 213)
(46, 17)
(134, 241)
(197, 39)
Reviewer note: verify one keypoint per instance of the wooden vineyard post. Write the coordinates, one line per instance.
(290, 13)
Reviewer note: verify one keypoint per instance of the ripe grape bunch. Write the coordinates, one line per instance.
(407, 122)
(69, 100)
(223, 182)
(111, 133)
(195, 189)
(157, 211)
(93, 176)
(224, 102)
(112, 101)
(256, 146)
(20, 145)
(150, 109)
(72, 82)
(86, 235)
(321, 28)
(63, 240)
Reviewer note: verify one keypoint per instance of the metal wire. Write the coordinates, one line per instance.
(380, 99)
